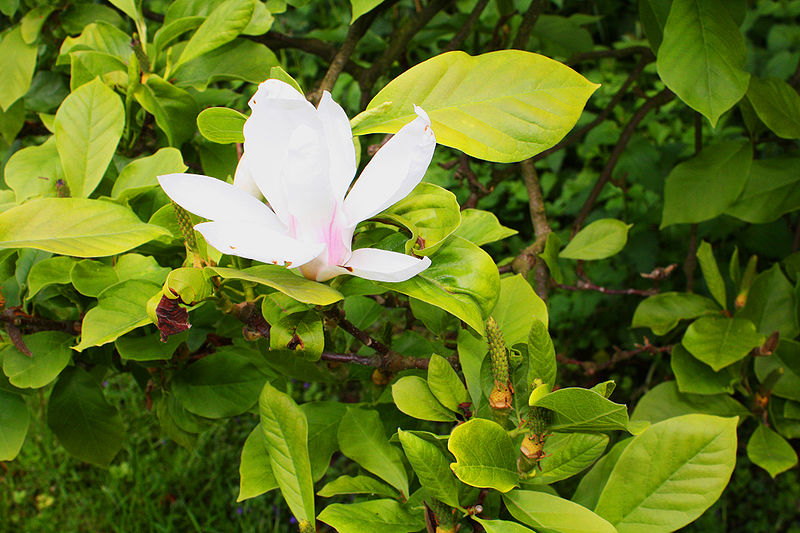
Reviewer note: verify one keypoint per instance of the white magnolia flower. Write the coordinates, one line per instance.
(303, 160)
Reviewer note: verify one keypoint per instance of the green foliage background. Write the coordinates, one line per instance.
(686, 155)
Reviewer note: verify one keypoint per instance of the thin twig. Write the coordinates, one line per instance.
(354, 35)
(464, 31)
(586, 285)
(590, 367)
(661, 98)
(278, 41)
(526, 26)
(601, 54)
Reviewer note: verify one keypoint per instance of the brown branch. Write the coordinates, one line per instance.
(541, 228)
(526, 26)
(337, 316)
(397, 45)
(616, 53)
(590, 367)
(476, 189)
(340, 60)
(575, 136)
(586, 285)
(659, 99)
(463, 32)
(278, 41)
(31, 324)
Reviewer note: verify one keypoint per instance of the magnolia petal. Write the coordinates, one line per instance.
(382, 265)
(243, 179)
(339, 137)
(321, 270)
(217, 200)
(288, 157)
(394, 171)
(261, 243)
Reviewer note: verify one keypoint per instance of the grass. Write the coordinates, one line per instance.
(153, 485)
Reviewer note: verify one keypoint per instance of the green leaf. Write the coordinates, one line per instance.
(482, 227)
(17, 63)
(323, 426)
(140, 175)
(255, 469)
(662, 312)
(356, 485)
(412, 396)
(282, 279)
(777, 104)
(221, 125)
(787, 358)
(34, 171)
(653, 15)
(174, 109)
(51, 354)
(551, 513)
(592, 483)
(702, 56)
(286, 437)
(705, 186)
(665, 401)
(541, 355)
(363, 6)
(84, 422)
(695, 377)
(299, 332)
(277, 73)
(174, 29)
(431, 466)
(502, 106)
(362, 439)
(518, 308)
(88, 126)
(670, 474)
(430, 213)
(90, 278)
(14, 420)
(12, 120)
(462, 279)
(721, 341)
(770, 451)
(149, 347)
(485, 455)
(771, 191)
(567, 454)
(472, 351)
(771, 304)
(711, 273)
(375, 516)
(220, 385)
(223, 25)
(599, 240)
(582, 410)
(120, 308)
(261, 21)
(445, 384)
(501, 526)
(50, 271)
(240, 59)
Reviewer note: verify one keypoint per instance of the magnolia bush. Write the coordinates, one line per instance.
(153, 226)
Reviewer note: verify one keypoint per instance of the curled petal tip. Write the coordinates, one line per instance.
(273, 89)
(422, 114)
